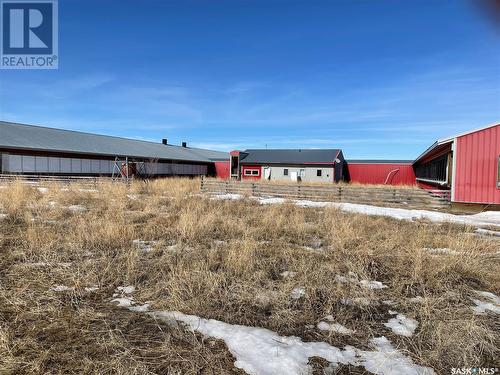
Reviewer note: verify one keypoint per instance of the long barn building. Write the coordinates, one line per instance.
(467, 165)
(29, 149)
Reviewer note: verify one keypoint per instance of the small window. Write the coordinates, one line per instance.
(252, 172)
(319, 173)
(285, 172)
(302, 173)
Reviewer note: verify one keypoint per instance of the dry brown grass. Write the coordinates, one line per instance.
(223, 260)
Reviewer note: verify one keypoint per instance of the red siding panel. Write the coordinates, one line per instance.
(222, 169)
(477, 167)
(399, 174)
(252, 168)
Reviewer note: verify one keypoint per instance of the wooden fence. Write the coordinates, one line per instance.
(400, 197)
(38, 180)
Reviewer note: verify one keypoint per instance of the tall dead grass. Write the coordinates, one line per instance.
(223, 260)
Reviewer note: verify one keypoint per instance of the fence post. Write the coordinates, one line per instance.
(253, 189)
(340, 193)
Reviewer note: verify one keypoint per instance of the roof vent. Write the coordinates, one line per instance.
(164, 141)
(184, 144)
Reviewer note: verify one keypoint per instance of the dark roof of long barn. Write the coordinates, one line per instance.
(287, 156)
(39, 138)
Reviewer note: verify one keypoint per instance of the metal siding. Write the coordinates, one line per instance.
(222, 169)
(476, 167)
(245, 167)
(377, 173)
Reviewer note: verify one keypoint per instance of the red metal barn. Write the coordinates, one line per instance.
(467, 164)
(222, 169)
(384, 172)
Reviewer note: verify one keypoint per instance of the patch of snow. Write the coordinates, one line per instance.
(482, 307)
(417, 299)
(486, 232)
(77, 208)
(61, 288)
(91, 288)
(297, 293)
(227, 196)
(352, 277)
(389, 302)
(144, 246)
(441, 250)
(124, 301)
(333, 327)
(140, 308)
(288, 274)
(488, 218)
(126, 289)
(42, 190)
(264, 352)
(372, 284)
(133, 197)
(3, 216)
(401, 325)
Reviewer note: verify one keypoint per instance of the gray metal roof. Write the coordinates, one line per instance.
(375, 161)
(32, 137)
(284, 156)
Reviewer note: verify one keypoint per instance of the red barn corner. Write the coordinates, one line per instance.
(468, 164)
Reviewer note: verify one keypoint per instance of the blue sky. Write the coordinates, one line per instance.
(379, 79)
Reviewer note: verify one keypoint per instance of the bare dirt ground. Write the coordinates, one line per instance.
(65, 251)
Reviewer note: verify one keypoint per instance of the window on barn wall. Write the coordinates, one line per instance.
(252, 172)
(319, 172)
(285, 172)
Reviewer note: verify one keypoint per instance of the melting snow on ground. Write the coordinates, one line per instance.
(126, 289)
(288, 274)
(2, 216)
(401, 325)
(328, 324)
(144, 246)
(260, 351)
(77, 208)
(486, 232)
(297, 293)
(352, 277)
(61, 288)
(441, 251)
(488, 218)
(264, 352)
(491, 305)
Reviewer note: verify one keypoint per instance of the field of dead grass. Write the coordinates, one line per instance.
(64, 251)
